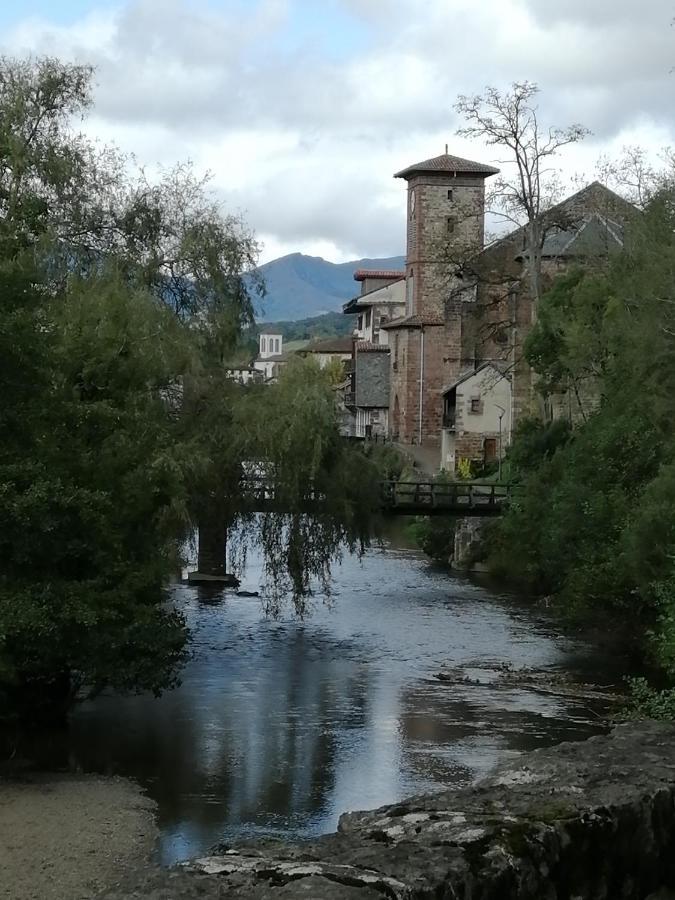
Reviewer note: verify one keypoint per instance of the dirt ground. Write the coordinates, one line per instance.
(67, 837)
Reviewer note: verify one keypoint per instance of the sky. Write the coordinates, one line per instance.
(304, 109)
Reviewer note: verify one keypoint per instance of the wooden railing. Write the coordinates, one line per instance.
(450, 497)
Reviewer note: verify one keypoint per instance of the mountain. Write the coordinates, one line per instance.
(300, 286)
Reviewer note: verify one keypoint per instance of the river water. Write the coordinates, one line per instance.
(281, 725)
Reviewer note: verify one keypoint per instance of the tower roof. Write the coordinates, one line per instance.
(446, 163)
(379, 274)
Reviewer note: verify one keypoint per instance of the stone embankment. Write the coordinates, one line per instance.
(588, 821)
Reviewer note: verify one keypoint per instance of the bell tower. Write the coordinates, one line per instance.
(445, 223)
(446, 214)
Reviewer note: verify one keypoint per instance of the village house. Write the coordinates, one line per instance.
(382, 300)
(329, 350)
(244, 374)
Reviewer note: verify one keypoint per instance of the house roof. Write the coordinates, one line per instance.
(379, 274)
(370, 347)
(467, 375)
(363, 301)
(414, 322)
(448, 164)
(271, 329)
(332, 345)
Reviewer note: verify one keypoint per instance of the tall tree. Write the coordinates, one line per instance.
(525, 193)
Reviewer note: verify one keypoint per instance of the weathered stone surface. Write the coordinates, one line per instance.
(592, 821)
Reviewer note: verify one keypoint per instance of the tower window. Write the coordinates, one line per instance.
(451, 225)
(449, 195)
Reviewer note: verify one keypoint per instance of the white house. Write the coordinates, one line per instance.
(477, 417)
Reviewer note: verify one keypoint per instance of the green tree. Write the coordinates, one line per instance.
(122, 299)
(590, 517)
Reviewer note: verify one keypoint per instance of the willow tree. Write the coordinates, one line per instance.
(325, 490)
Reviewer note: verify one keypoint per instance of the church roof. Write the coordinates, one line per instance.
(447, 163)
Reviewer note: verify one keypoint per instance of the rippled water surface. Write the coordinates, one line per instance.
(280, 726)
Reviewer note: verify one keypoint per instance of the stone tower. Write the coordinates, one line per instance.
(445, 225)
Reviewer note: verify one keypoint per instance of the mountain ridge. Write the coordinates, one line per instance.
(301, 286)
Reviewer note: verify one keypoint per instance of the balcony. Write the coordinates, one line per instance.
(449, 420)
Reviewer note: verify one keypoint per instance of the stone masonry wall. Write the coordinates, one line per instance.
(430, 242)
(372, 378)
(586, 821)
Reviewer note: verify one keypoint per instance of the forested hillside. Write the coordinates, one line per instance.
(300, 286)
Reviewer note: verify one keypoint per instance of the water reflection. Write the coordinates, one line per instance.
(280, 726)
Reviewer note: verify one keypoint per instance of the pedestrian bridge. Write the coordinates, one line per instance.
(400, 498)
(428, 498)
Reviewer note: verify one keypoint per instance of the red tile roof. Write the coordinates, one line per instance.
(447, 163)
(380, 274)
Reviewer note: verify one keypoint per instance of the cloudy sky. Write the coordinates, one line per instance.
(303, 109)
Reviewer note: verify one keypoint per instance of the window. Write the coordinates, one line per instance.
(263, 345)
(449, 195)
(368, 319)
(475, 405)
(451, 224)
(276, 345)
(410, 290)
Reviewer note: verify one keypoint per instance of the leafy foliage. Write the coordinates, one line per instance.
(591, 520)
(122, 298)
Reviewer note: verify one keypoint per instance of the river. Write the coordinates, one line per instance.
(281, 725)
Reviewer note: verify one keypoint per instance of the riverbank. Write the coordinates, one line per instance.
(67, 837)
(591, 819)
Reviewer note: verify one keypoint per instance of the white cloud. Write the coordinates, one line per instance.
(305, 143)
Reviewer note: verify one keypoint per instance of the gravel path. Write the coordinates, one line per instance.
(67, 837)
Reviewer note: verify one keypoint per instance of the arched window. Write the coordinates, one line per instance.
(263, 345)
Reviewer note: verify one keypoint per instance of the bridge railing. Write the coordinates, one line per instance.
(452, 495)
(418, 497)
